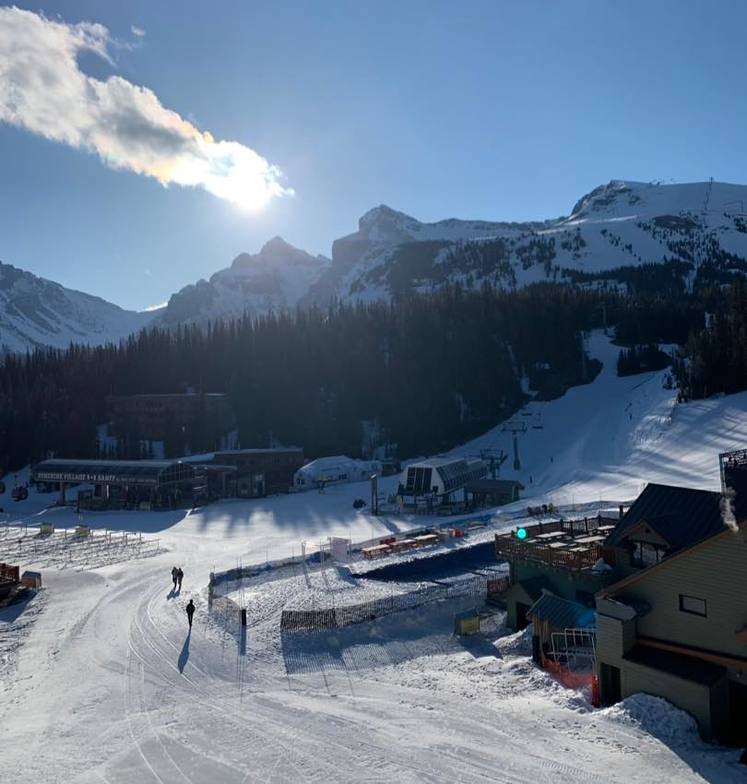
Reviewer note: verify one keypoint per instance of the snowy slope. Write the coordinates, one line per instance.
(605, 440)
(112, 688)
(274, 279)
(620, 224)
(38, 312)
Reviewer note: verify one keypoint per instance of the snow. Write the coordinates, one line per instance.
(276, 278)
(100, 680)
(616, 223)
(38, 312)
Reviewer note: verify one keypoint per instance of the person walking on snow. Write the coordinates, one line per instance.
(179, 577)
(174, 574)
(190, 612)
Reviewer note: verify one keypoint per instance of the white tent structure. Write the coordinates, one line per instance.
(332, 470)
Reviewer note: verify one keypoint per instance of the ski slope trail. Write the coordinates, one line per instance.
(125, 693)
(113, 687)
(607, 439)
(106, 684)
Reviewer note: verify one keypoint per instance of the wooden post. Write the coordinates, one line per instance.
(243, 616)
(375, 494)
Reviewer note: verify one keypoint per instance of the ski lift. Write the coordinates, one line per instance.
(537, 424)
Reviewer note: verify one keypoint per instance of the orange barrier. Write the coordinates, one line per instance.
(573, 680)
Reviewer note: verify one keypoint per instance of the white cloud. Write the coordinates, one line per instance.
(138, 32)
(43, 90)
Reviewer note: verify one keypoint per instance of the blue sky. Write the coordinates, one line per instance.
(495, 110)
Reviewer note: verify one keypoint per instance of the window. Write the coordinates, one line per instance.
(646, 554)
(693, 605)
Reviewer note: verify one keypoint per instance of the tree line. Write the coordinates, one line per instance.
(430, 370)
(425, 371)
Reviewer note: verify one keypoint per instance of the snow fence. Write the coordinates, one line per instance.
(317, 619)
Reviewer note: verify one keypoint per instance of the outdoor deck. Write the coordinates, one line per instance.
(566, 544)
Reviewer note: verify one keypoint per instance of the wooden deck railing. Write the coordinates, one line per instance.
(9, 573)
(508, 548)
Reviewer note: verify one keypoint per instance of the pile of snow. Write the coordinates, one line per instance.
(655, 716)
(517, 644)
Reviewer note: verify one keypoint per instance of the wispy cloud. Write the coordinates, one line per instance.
(138, 32)
(43, 90)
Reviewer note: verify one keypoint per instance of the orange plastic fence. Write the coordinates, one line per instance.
(573, 680)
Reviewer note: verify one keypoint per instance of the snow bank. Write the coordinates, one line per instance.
(518, 644)
(655, 716)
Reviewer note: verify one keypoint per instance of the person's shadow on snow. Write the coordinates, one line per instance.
(171, 594)
(184, 655)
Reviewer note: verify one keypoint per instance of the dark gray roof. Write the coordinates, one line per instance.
(103, 470)
(457, 473)
(677, 664)
(561, 613)
(681, 515)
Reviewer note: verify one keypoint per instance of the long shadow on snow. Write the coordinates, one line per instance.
(12, 611)
(385, 641)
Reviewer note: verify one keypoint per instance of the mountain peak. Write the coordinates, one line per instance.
(277, 246)
(383, 224)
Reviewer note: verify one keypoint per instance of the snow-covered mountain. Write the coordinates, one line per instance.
(620, 224)
(38, 312)
(702, 226)
(276, 278)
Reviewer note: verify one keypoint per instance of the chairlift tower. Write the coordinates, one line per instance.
(495, 459)
(515, 428)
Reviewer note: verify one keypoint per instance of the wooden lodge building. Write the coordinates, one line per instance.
(149, 417)
(668, 587)
(261, 472)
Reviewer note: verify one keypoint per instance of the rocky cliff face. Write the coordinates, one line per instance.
(621, 224)
(274, 279)
(700, 226)
(38, 312)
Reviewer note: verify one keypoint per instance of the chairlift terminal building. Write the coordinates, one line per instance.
(439, 479)
(132, 483)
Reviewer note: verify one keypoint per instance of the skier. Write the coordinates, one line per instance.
(174, 576)
(190, 612)
(179, 577)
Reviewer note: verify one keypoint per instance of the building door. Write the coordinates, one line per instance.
(738, 714)
(521, 616)
(609, 683)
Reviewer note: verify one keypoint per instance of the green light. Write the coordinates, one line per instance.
(521, 533)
